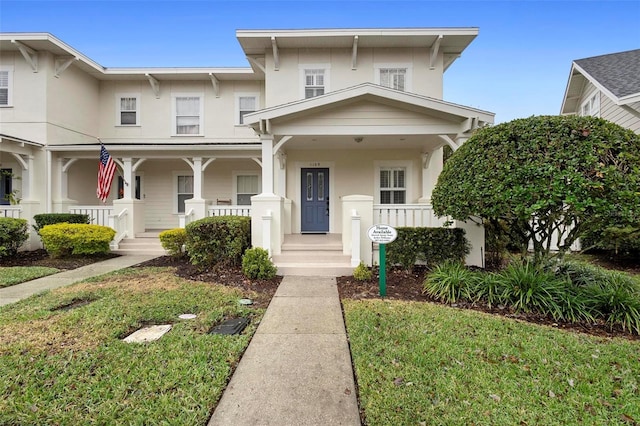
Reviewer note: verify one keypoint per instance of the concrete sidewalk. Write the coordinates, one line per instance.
(297, 368)
(24, 290)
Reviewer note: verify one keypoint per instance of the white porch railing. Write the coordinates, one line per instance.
(233, 210)
(98, 215)
(10, 211)
(416, 215)
(119, 222)
(185, 219)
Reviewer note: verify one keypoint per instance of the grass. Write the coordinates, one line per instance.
(71, 367)
(18, 274)
(420, 363)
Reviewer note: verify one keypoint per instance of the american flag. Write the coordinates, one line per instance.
(106, 170)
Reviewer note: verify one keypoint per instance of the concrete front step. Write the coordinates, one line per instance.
(313, 262)
(325, 270)
(147, 245)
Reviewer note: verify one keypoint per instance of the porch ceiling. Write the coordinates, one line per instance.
(363, 143)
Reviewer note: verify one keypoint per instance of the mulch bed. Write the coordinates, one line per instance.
(41, 258)
(401, 285)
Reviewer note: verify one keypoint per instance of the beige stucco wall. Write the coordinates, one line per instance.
(156, 121)
(286, 84)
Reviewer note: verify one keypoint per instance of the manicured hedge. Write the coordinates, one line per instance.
(65, 239)
(218, 239)
(173, 240)
(45, 219)
(430, 245)
(13, 232)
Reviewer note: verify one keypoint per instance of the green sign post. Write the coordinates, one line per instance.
(383, 235)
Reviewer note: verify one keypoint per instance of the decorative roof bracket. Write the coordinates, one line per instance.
(435, 47)
(62, 63)
(30, 55)
(155, 85)
(216, 84)
(354, 53)
(276, 54)
(255, 62)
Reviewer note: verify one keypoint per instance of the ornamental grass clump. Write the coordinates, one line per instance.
(616, 300)
(527, 287)
(450, 282)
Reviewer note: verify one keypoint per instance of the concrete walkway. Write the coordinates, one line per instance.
(24, 290)
(297, 368)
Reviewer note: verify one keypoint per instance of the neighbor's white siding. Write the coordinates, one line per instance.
(626, 116)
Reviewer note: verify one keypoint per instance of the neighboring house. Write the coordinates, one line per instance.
(606, 86)
(327, 132)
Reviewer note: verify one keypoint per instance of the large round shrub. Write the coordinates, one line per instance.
(572, 174)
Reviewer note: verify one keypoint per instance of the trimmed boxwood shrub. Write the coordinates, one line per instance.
(256, 264)
(13, 232)
(65, 239)
(431, 245)
(45, 219)
(218, 240)
(173, 240)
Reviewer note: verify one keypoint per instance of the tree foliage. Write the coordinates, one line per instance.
(556, 176)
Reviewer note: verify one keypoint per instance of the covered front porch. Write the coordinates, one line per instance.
(344, 161)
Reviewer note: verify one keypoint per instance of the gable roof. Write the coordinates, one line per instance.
(370, 91)
(615, 74)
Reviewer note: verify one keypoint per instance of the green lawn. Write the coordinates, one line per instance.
(18, 274)
(70, 367)
(425, 364)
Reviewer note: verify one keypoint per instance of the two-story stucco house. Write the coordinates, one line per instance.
(606, 86)
(325, 134)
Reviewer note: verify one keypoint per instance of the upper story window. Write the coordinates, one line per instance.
(246, 103)
(315, 79)
(128, 113)
(591, 106)
(188, 115)
(6, 95)
(396, 77)
(313, 83)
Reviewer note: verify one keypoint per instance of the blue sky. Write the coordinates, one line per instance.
(517, 67)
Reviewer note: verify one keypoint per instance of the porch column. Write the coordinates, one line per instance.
(431, 168)
(267, 163)
(128, 177)
(197, 178)
(27, 179)
(60, 197)
(197, 203)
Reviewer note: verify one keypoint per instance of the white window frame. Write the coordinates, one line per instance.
(238, 173)
(327, 77)
(385, 66)
(237, 110)
(9, 71)
(391, 164)
(176, 175)
(174, 117)
(119, 97)
(591, 107)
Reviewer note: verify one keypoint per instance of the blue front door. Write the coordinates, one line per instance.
(315, 200)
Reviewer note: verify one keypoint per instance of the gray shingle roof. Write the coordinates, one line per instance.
(617, 72)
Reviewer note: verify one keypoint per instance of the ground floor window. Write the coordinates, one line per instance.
(185, 191)
(247, 187)
(393, 188)
(5, 186)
